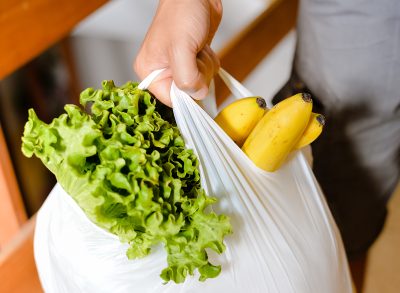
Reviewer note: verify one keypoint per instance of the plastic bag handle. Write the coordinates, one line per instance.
(146, 82)
(209, 104)
(234, 86)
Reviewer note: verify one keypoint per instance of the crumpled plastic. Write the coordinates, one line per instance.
(284, 237)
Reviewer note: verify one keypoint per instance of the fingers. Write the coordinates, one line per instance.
(161, 87)
(178, 39)
(161, 90)
(184, 68)
(211, 61)
(193, 72)
(215, 18)
(208, 65)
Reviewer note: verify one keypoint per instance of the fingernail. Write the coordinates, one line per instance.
(198, 95)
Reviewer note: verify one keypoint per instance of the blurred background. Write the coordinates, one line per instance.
(103, 46)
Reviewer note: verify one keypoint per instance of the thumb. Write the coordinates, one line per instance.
(185, 71)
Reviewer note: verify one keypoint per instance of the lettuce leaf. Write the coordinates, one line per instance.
(129, 171)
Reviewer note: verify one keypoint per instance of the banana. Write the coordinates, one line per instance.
(240, 117)
(277, 133)
(312, 131)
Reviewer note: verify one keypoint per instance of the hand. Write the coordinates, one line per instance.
(178, 39)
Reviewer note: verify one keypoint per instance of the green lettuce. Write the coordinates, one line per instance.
(129, 171)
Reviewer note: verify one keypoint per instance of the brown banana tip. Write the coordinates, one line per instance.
(306, 97)
(261, 103)
(321, 119)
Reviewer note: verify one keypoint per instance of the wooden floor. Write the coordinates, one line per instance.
(383, 263)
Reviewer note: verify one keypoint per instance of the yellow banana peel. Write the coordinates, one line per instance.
(240, 117)
(312, 131)
(278, 132)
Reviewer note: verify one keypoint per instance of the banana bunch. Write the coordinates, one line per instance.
(239, 118)
(267, 136)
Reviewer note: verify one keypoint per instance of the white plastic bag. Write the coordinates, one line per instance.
(284, 240)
